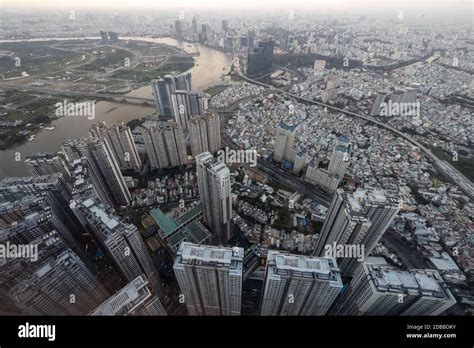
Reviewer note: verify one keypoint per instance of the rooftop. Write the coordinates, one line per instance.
(284, 264)
(209, 254)
(425, 282)
(166, 224)
(126, 299)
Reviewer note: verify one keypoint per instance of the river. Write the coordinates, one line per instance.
(207, 72)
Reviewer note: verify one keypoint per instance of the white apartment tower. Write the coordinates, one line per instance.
(210, 278)
(383, 290)
(215, 193)
(284, 139)
(358, 218)
(345, 223)
(136, 298)
(205, 134)
(62, 286)
(340, 157)
(299, 285)
(121, 242)
(121, 141)
(187, 104)
(104, 169)
(48, 163)
(164, 144)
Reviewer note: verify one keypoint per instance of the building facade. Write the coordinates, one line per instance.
(104, 169)
(284, 140)
(121, 242)
(384, 290)
(121, 141)
(187, 104)
(299, 285)
(164, 144)
(136, 298)
(215, 193)
(210, 278)
(205, 134)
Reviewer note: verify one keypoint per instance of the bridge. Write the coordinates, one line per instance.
(107, 96)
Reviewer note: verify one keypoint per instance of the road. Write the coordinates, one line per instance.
(410, 258)
(83, 94)
(278, 174)
(349, 113)
(438, 162)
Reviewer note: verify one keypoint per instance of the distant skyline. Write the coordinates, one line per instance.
(223, 5)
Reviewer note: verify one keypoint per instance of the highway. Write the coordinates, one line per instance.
(350, 113)
(439, 163)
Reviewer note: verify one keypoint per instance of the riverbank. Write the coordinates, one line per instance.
(207, 72)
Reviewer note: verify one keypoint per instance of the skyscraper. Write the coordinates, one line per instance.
(113, 36)
(182, 82)
(299, 285)
(104, 170)
(121, 242)
(383, 290)
(259, 62)
(329, 179)
(205, 32)
(311, 171)
(251, 35)
(164, 87)
(136, 298)
(381, 207)
(215, 193)
(14, 269)
(300, 159)
(229, 43)
(178, 30)
(321, 177)
(243, 41)
(54, 195)
(33, 229)
(284, 139)
(358, 218)
(31, 218)
(340, 157)
(187, 104)
(346, 223)
(121, 141)
(61, 286)
(104, 37)
(164, 144)
(205, 133)
(210, 278)
(225, 25)
(48, 163)
(53, 185)
(195, 27)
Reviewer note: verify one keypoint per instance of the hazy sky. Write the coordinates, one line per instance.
(225, 5)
